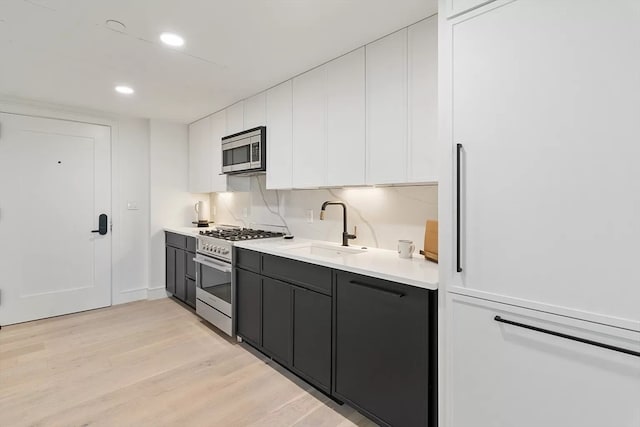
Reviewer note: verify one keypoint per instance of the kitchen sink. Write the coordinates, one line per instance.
(325, 250)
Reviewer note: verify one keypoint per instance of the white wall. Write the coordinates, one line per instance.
(170, 202)
(130, 148)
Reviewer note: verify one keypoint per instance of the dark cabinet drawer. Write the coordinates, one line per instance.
(176, 240)
(276, 319)
(312, 336)
(382, 335)
(303, 274)
(249, 260)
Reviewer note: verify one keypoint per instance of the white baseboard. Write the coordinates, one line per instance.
(156, 293)
(130, 295)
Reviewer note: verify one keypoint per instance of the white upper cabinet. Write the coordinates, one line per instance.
(346, 126)
(235, 118)
(457, 7)
(255, 111)
(218, 130)
(279, 136)
(423, 101)
(550, 185)
(386, 80)
(200, 155)
(310, 129)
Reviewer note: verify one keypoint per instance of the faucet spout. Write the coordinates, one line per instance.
(345, 235)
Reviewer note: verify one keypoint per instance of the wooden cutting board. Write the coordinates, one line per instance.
(431, 240)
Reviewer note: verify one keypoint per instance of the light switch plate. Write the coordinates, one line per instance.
(309, 216)
(132, 206)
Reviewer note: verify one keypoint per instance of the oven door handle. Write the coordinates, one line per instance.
(215, 265)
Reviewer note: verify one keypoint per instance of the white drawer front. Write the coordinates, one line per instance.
(505, 376)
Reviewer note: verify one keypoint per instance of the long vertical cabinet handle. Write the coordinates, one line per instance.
(458, 212)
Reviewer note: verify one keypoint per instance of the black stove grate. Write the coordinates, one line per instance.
(239, 234)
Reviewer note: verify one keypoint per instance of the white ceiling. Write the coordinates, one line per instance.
(60, 51)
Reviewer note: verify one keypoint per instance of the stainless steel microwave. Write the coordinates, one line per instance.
(245, 152)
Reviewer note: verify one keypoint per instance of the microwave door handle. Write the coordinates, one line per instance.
(217, 266)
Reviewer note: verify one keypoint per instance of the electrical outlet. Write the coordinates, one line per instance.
(215, 210)
(245, 212)
(309, 216)
(132, 206)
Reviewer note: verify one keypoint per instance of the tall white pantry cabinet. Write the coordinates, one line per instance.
(540, 212)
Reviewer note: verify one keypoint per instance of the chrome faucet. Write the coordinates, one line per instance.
(345, 235)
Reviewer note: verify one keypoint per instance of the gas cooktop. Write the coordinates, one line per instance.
(239, 234)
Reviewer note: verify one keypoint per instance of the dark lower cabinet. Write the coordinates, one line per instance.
(276, 320)
(365, 341)
(249, 306)
(191, 292)
(170, 269)
(180, 271)
(312, 336)
(382, 335)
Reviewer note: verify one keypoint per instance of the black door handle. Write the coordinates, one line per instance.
(102, 225)
(376, 288)
(458, 155)
(569, 337)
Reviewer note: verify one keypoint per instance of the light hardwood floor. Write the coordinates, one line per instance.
(149, 363)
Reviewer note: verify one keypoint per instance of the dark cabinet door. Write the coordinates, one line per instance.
(276, 319)
(191, 265)
(170, 269)
(382, 359)
(181, 272)
(191, 292)
(249, 306)
(312, 336)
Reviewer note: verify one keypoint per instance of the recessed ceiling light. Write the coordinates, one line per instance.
(171, 39)
(125, 90)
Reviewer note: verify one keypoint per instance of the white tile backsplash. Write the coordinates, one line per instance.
(382, 214)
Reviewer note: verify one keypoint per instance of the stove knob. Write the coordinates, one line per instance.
(225, 251)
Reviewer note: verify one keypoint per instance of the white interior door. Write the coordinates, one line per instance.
(55, 180)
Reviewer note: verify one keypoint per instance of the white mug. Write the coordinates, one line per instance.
(405, 248)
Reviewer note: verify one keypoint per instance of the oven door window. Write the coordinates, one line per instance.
(215, 282)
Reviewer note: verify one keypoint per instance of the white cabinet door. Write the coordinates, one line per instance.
(423, 101)
(235, 118)
(255, 111)
(310, 129)
(550, 129)
(505, 376)
(218, 130)
(386, 79)
(200, 156)
(346, 126)
(279, 136)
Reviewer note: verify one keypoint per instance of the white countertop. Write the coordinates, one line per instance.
(380, 263)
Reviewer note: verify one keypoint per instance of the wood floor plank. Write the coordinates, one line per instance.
(149, 363)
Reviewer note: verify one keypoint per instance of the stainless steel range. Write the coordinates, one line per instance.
(214, 278)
